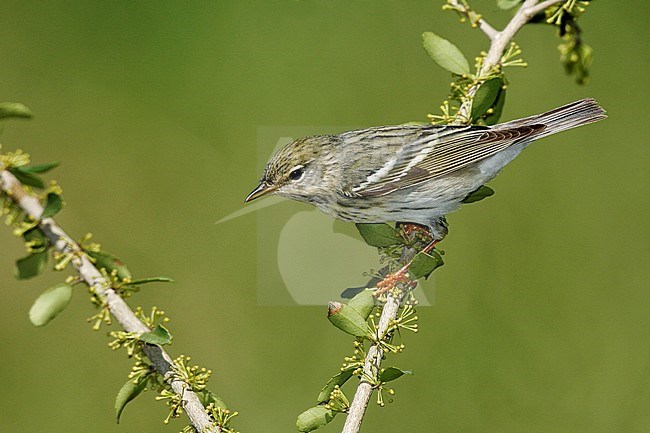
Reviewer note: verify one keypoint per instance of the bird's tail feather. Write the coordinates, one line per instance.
(568, 116)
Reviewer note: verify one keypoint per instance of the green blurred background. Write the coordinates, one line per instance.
(540, 320)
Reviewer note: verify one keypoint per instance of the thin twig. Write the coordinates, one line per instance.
(504, 37)
(375, 353)
(370, 368)
(489, 31)
(500, 42)
(161, 361)
(542, 6)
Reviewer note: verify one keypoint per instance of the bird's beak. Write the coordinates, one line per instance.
(262, 189)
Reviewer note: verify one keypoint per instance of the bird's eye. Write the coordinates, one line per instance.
(296, 173)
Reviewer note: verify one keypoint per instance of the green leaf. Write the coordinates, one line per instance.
(51, 302)
(379, 235)
(423, 264)
(14, 109)
(314, 418)
(27, 178)
(338, 379)
(207, 397)
(577, 57)
(348, 320)
(109, 262)
(485, 97)
(53, 205)
(160, 336)
(364, 303)
(128, 392)
(497, 109)
(392, 373)
(149, 280)
(351, 292)
(478, 195)
(507, 4)
(31, 266)
(36, 238)
(41, 168)
(445, 54)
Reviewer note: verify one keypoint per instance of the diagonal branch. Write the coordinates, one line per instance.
(370, 368)
(372, 363)
(500, 42)
(532, 11)
(473, 17)
(161, 361)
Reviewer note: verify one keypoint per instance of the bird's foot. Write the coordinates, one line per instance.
(390, 281)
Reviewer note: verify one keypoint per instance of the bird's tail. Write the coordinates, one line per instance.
(568, 116)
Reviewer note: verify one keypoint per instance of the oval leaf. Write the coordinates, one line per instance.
(160, 336)
(485, 96)
(110, 263)
(149, 280)
(445, 54)
(392, 373)
(338, 379)
(14, 109)
(423, 264)
(53, 205)
(41, 168)
(478, 195)
(128, 392)
(313, 418)
(497, 109)
(207, 397)
(351, 292)
(27, 178)
(348, 320)
(507, 4)
(31, 266)
(379, 235)
(50, 304)
(364, 303)
(36, 238)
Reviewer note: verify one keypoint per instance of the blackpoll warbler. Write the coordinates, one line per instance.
(407, 173)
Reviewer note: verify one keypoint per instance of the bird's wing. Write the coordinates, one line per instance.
(438, 151)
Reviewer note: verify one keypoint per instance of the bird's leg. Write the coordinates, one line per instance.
(401, 276)
(426, 249)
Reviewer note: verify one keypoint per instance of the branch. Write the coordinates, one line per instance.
(161, 361)
(375, 353)
(473, 17)
(500, 42)
(490, 31)
(370, 368)
(541, 7)
(503, 38)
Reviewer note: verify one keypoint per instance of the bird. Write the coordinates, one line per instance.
(407, 173)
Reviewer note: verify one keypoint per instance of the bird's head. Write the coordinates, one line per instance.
(302, 170)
